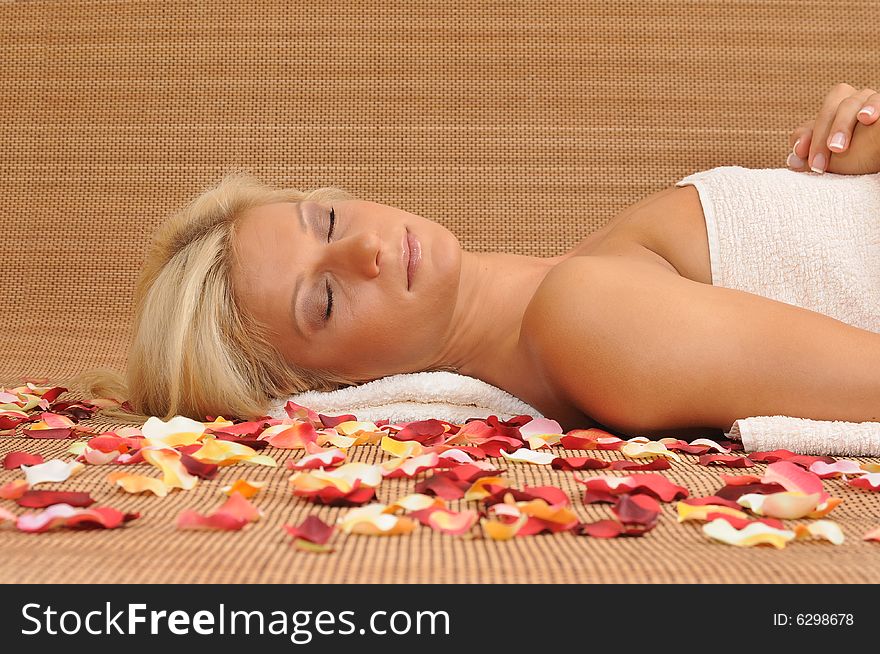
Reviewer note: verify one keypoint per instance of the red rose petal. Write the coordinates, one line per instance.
(424, 432)
(57, 433)
(739, 480)
(312, 529)
(40, 499)
(442, 486)
(14, 459)
(660, 463)
(729, 460)
(332, 421)
(592, 496)
(735, 492)
(190, 519)
(550, 494)
(578, 463)
(600, 529)
(198, 468)
(638, 509)
(803, 460)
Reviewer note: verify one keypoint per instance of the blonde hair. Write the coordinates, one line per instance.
(195, 351)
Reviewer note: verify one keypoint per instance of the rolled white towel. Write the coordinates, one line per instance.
(414, 396)
(805, 436)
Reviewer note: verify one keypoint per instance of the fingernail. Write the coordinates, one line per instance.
(794, 161)
(867, 111)
(794, 147)
(837, 141)
(818, 163)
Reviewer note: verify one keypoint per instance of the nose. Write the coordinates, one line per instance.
(355, 254)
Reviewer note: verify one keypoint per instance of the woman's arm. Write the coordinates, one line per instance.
(641, 349)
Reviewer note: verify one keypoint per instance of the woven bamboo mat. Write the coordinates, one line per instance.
(522, 127)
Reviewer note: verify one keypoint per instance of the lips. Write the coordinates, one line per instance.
(413, 257)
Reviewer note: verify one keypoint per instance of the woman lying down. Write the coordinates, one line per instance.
(735, 293)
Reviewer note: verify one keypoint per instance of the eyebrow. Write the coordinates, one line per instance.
(293, 301)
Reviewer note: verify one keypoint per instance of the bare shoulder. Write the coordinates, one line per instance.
(599, 332)
(574, 331)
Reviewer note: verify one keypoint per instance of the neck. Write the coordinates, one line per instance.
(494, 291)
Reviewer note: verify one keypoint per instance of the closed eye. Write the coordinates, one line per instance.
(329, 309)
(332, 223)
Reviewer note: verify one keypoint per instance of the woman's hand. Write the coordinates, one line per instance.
(844, 137)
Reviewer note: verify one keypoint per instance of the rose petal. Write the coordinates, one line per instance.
(64, 515)
(14, 489)
(189, 519)
(660, 463)
(168, 460)
(789, 505)
(826, 529)
(756, 533)
(132, 483)
(872, 534)
(15, 459)
(638, 509)
(410, 467)
(446, 521)
(312, 529)
(524, 455)
(54, 470)
(653, 484)
(636, 450)
(869, 481)
(729, 460)
(38, 499)
(794, 478)
(371, 520)
(600, 529)
(842, 467)
(702, 511)
(578, 463)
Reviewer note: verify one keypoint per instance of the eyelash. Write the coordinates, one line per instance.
(330, 290)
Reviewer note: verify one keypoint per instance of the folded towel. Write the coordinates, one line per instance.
(414, 396)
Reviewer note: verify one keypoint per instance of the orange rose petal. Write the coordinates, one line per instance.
(174, 474)
(481, 488)
(14, 489)
(132, 483)
(244, 487)
(497, 530)
(371, 520)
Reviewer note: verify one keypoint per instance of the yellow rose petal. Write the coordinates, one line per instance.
(756, 533)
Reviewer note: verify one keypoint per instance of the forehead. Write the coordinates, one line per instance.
(260, 237)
